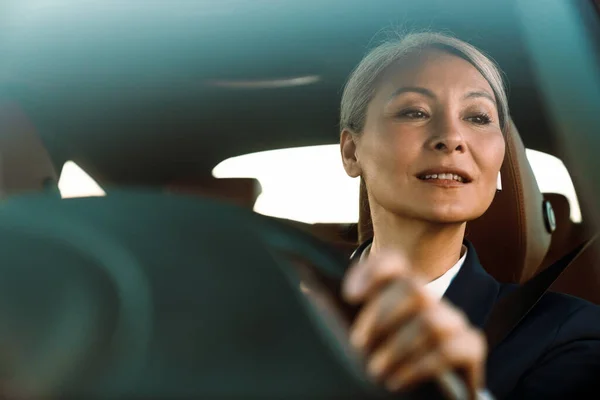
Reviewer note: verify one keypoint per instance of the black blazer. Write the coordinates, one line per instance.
(553, 353)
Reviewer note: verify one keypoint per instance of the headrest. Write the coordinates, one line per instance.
(25, 165)
(514, 234)
(240, 191)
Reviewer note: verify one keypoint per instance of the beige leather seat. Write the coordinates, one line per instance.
(512, 237)
(25, 165)
(582, 278)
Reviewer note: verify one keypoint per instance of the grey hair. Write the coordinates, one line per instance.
(362, 83)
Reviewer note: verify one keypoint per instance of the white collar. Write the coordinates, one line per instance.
(439, 285)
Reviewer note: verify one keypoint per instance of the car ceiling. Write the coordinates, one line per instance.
(135, 91)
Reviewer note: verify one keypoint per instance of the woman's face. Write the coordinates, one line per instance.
(432, 145)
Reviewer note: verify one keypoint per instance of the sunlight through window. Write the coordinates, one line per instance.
(309, 184)
(75, 182)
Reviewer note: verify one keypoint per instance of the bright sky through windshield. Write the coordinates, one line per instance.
(318, 190)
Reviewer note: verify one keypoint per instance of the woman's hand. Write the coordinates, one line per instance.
(407, 334)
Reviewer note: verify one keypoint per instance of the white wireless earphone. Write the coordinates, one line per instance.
(499, 182)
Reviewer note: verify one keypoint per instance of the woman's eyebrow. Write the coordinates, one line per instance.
(413, 89)
(479, 94)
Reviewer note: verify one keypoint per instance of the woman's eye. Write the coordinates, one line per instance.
(413, 114)
(480, 119)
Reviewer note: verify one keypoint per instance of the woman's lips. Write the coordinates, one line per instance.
(444, 173)
(443, 177)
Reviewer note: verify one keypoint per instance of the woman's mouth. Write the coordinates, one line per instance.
(443, 177)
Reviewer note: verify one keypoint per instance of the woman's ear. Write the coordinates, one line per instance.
(349, 158)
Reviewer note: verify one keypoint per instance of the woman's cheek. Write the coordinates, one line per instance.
(490, 155)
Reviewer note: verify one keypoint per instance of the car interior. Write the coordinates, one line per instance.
(153, 98)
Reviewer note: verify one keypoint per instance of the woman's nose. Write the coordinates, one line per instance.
(449, 144)
(447, 138)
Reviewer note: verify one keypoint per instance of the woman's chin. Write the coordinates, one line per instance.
(456, 215)
(446, 220)
(439, 212)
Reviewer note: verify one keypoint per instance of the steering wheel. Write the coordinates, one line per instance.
(322, 267)
(150, 294)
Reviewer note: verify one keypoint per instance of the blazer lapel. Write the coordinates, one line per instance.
(473, 290)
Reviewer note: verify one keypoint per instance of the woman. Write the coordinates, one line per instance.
(423, 122)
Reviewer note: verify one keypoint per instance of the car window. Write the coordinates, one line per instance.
(309, 184)
(75, 182)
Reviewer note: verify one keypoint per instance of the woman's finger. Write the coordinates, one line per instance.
(427, 367)
(389, 310)
(366, 278)
(399, 348)
(464, 352)
(420, 335)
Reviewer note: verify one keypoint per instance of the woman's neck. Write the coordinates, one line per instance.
(431, 248)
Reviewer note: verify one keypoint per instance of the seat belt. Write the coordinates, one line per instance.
(512, 309)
